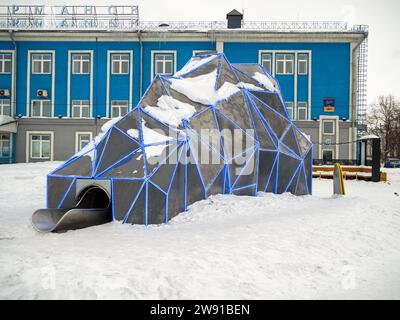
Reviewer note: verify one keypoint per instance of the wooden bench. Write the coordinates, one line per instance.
(349, 173)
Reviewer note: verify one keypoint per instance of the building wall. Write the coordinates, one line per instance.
(329, 76)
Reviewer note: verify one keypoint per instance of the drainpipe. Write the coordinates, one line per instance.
(13, 102)
(141, 63)
(11, 33)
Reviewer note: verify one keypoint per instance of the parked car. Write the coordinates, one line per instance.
(392, 163)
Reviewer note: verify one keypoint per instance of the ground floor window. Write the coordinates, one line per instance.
(327, 156)
(40, 146)
(82, 139)
(5, 107)
(41, 108)
(119, 108)
(4, 145)
(80, 109)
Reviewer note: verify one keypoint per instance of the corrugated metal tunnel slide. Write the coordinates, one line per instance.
(93, 208)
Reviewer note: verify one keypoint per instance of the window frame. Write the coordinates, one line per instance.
(292, 114)
(155, 53)
(303, 108)
(270, 60)
(119, 106)
(78, 141)
(4, 60)
(81, 62)
(299, 61)
(41, 108)
(3, 105)
(2, 144)
(81, 105)
(50, 61)
(30, 135)
(284, 60)
(120, 62)
(333, 127)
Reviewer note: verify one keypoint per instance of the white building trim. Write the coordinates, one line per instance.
(28, 79)
(295, 74)
(70, 53)
(337, 133)
(109, 53)
(28, 144)
(13, 107)
(219, 46)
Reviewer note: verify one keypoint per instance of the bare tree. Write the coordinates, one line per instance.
(383, 120)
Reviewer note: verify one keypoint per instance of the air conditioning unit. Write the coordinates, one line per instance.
(42, 93)
(4, 93)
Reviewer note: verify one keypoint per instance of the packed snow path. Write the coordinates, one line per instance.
(226, 247)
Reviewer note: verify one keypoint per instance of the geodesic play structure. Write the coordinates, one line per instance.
(213, 127)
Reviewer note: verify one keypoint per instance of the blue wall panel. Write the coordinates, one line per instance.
(330, 70)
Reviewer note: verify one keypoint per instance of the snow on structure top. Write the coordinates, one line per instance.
(211, 128)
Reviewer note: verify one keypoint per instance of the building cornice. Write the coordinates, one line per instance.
(225, 36)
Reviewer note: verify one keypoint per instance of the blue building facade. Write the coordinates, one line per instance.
(60, 87)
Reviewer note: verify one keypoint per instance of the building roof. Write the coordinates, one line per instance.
(234, 12)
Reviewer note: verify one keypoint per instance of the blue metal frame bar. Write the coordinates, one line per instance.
(66, 193)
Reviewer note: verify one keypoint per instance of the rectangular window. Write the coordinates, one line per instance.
(327, 156)
(80, 63)
(41, 63)
(40, 145)
(4, 145)
(5, 107)
(80, 109)
(302, 110)
(289, 106)
(119, 108)
(5, 63)
(164, 63)
(120, 63)
(302, 62)
(82, 139)
(266, 61)
(41, 108)
(328, 127)
(284, 63)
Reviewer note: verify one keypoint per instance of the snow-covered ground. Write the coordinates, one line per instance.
(225, 247)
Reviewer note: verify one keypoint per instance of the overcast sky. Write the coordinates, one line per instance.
(382, 17)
